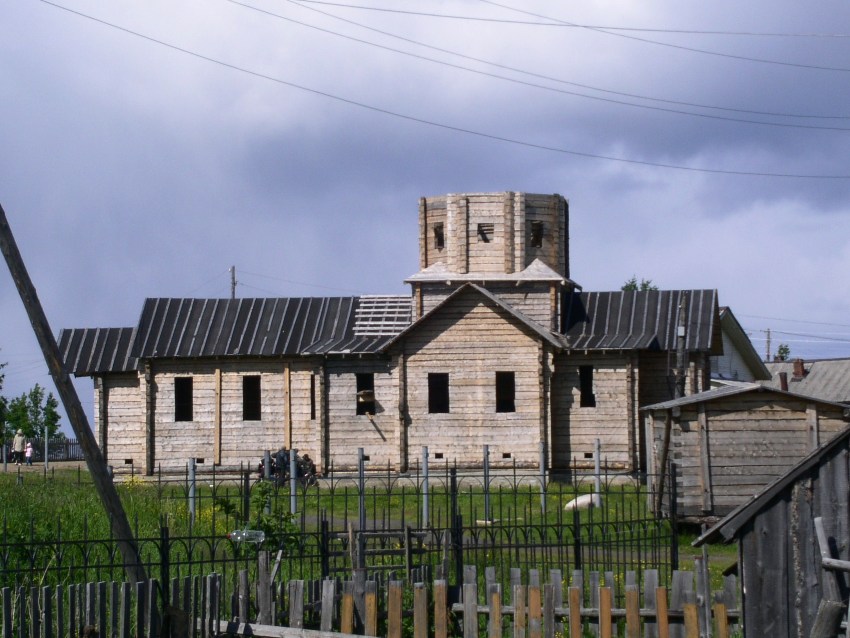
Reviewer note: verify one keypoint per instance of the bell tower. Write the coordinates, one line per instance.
(514, 244)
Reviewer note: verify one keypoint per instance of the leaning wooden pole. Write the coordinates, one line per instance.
(68, 394)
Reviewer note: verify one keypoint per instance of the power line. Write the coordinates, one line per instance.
(448, 127)
(817, 323)
(677, 46)
(549, 78)
(582, 26)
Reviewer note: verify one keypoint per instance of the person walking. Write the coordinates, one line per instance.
(18, 445)
(28, 453)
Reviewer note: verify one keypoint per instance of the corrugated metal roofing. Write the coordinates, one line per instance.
(732, 390)
(171, 328)
(97, 350)
(827, 379)
(641, 320)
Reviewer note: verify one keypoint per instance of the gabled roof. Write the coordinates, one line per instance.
(825, 378)
(641, 320)
(732, 390)
(727, 528)
(730, 326)
(87, 351)
(533, 326)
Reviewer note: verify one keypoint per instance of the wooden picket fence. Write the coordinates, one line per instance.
(197, 608)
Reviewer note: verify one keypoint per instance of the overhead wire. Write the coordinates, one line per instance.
(301, 3)
(550, 88)
(678, 46)
(581, 26)
(448, 127)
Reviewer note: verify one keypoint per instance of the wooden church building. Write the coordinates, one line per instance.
(495, 345)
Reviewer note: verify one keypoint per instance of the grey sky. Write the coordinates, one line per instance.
(147, 157)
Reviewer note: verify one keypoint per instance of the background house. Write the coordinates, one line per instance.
(827, 379)
(495, 345)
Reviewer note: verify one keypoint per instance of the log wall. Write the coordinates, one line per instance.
(727, 450)
(471, 341)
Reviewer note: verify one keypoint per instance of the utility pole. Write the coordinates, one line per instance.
(767, 356)
(233, 282)
(121, 530)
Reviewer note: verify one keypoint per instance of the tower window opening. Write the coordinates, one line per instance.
(537, 234)
(439, 237)
(485, 232)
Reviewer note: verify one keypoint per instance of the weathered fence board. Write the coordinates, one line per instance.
(322, 609)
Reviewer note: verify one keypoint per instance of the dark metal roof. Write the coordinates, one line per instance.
(732, 390)
(88, 351)
(824, 378)
(251, 327)
(641, 320)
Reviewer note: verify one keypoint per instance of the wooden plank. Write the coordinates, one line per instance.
(371, 603)
(441, 625)
(346, 615)
(691, 615)
(47, 612)
(556, 579)
(650, 589)
(704, 460)
(328, 599)
(126, 611)
(519, 598)
(574, 595)
(264, 590)
(535, 611)
(61, 627)
(394, 592)
(243, 596)
(548, 611)
(141, 592)
(661, 612)
(721, 621)
(420, 611)
(494, 602)
(101, 606)
(632, 612)
(296, 603)
(605, 618)
(470, 609)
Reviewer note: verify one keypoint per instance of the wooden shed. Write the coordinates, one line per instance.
(728, 443)
(780, 567)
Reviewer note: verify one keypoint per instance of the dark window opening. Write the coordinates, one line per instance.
(183, 398)
(365, 393)
(485, 232)
(585, 375)
(438, 392)
(537, 234)
(505, 392)
(439, 238)
(251, 406)
(312, 397)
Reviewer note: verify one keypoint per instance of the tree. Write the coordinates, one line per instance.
(32, 412)
(783, 352)
(643, 286)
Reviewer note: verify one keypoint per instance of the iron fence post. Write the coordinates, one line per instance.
(361, 483)
(165, 565)
(456, 527)
(487, 483)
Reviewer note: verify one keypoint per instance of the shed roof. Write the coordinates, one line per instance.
(825, 378)
(732, 390)
(642, 320)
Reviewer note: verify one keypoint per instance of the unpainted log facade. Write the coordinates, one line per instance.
(495, 346)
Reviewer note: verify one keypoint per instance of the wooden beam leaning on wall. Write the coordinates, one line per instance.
(217, 419)
(67, 393)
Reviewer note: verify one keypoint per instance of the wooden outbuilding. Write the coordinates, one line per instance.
(726, 444)
(785, 588)
(496, 345)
